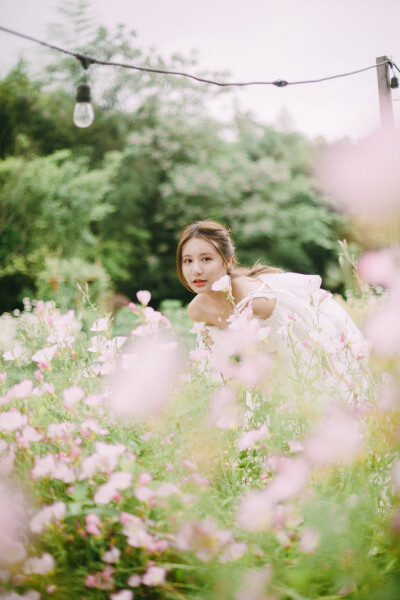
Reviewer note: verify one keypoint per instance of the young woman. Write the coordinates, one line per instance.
(296, 310)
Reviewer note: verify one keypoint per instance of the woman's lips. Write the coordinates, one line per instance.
(199, 282)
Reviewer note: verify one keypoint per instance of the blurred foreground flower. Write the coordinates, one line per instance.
(222, 285)
(254, 585)
(338, 439)
(142, 390)
(364, 178)
(13, 526)
(378, 267)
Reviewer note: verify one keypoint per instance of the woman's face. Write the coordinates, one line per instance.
(202, 264)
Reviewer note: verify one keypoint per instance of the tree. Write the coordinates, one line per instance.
(47, 208)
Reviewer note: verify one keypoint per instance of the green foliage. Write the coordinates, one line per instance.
(63, 281)
(48, 206)
(121, 191)
(179, 169)
(189, 481)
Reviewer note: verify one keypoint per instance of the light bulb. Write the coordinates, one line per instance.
(83, 111)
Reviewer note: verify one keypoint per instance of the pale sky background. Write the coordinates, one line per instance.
(255, 39)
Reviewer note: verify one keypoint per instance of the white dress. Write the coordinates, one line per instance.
(306, 324)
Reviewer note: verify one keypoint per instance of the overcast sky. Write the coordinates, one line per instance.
(255, 39)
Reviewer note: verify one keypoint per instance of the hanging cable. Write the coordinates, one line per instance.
(276, 82)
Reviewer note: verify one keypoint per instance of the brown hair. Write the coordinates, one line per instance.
(219, 236)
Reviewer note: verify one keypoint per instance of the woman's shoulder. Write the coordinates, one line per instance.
(243, 286)
(202, 310)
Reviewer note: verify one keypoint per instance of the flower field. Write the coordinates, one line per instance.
(130, 470)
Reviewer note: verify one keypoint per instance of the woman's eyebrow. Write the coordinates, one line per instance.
(201, 254)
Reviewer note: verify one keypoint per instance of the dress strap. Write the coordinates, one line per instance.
(260, 293)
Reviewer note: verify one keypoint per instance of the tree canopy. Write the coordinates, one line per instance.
(119, 193)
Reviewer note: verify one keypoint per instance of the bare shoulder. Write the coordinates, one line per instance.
(244, 286)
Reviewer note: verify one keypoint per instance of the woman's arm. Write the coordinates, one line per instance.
(263, 307)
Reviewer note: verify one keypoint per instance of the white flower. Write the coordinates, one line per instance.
(40, 565)
(12, 420)
(222, 285)
(100, 324)
(14, 353)
(144, 297)
(45, 355)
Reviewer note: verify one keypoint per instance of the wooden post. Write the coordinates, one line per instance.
(385, 95)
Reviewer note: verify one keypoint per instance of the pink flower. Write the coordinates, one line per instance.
(31, 434)
(144, 297)
(120, 480)
(144, 390)
(91, 425)
(199, 354)
(144, 478)
(198, 327)
(254, 585)
(378, 267)
(43, 466)
(39, 307)
(61, 431)
(291, 477)
(294, 446)
(13, 354)
(20, 390)
(44, 356)
(309, 541)
(154, 576)
(39, 565)
(122, 595)
(72, 396)
(101, 325)
(135, 531)
(101, 581)
(105, 459)
(364, 178)
(7, 459)
(250, 438)
(382, 328)
(144, 493)
(92, 523)
(97, 343)
(204, 538)
(225, 412)
(134, 581)
(46, 516)
(112, 555)
(167, 489)
(151, 315)
(63, 472)
(337, 440)
(255, 512)
(12, 420)
(222, 285)
(13, 525)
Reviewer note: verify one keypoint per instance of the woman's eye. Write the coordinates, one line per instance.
(187, 260)
(207, 258)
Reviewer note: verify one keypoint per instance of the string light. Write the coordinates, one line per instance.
(83, 111)
(83, 92)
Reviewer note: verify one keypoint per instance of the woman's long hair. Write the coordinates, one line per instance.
(219, 236)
